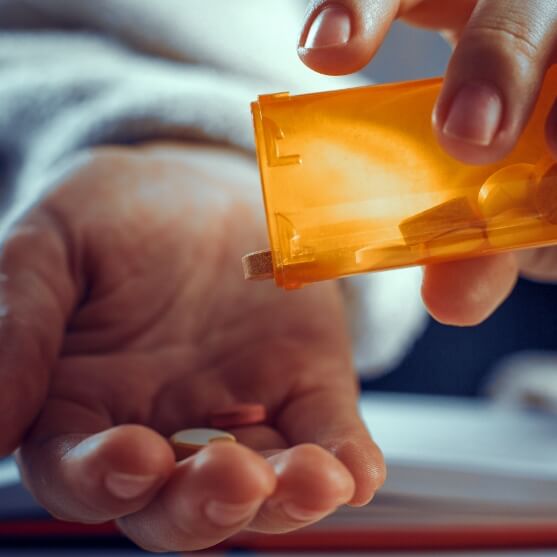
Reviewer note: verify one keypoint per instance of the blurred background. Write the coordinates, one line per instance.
(409, 53)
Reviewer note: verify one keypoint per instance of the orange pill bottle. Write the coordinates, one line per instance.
(355, 181)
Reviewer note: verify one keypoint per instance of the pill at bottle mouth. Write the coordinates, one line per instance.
(187, 442)
(258, 265)
(238, 415)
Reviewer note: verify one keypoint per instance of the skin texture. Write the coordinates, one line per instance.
(516, 41)
(125, 317)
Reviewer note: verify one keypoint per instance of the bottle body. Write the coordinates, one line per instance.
(355, 181)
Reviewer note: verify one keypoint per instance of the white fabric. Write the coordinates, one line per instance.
(527, 379)
(81, 73)
(386, 316)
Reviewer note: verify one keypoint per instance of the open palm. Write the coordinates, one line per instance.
(127, 318)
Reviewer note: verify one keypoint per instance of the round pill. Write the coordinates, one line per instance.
(238, 415)
(189, 441)
(510, 188)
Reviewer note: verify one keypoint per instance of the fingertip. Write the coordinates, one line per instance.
(472, 120)
(465, 293)
(126, 449)
(312, 484)
(314, 477)
(121, 468)
(328, 25)
(211, 496)
(336, 60)
(341, 37)
(330, 419)
(468, 122)
(95, 478)
(366, 463)
(493, 80)
(234, 469)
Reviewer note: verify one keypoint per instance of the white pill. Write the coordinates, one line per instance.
(189, 441)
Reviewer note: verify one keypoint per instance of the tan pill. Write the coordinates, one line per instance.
(258, 265)
(189, 441)
(452, 216)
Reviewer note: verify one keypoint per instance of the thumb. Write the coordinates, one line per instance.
(36, 295)
(341, 37)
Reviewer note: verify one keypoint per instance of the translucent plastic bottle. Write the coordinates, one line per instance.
(355, 181)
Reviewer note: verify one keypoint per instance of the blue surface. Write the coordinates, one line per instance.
(456, 361)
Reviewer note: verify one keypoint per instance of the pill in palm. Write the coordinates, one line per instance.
(238, 415)
(189, 441)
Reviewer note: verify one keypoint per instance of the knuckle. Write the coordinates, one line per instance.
(513, 35)
(513, 40)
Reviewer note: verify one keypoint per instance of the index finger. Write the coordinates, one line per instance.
(341, 36)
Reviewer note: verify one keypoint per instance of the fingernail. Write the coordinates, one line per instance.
(475, 115)
(229, 514)
(331, 27)
(129, 486)
(300, 514)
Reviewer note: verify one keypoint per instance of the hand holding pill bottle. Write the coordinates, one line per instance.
(356, 181)
(503, 49)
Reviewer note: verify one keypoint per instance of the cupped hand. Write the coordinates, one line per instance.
(502, 51)
(125, 317)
